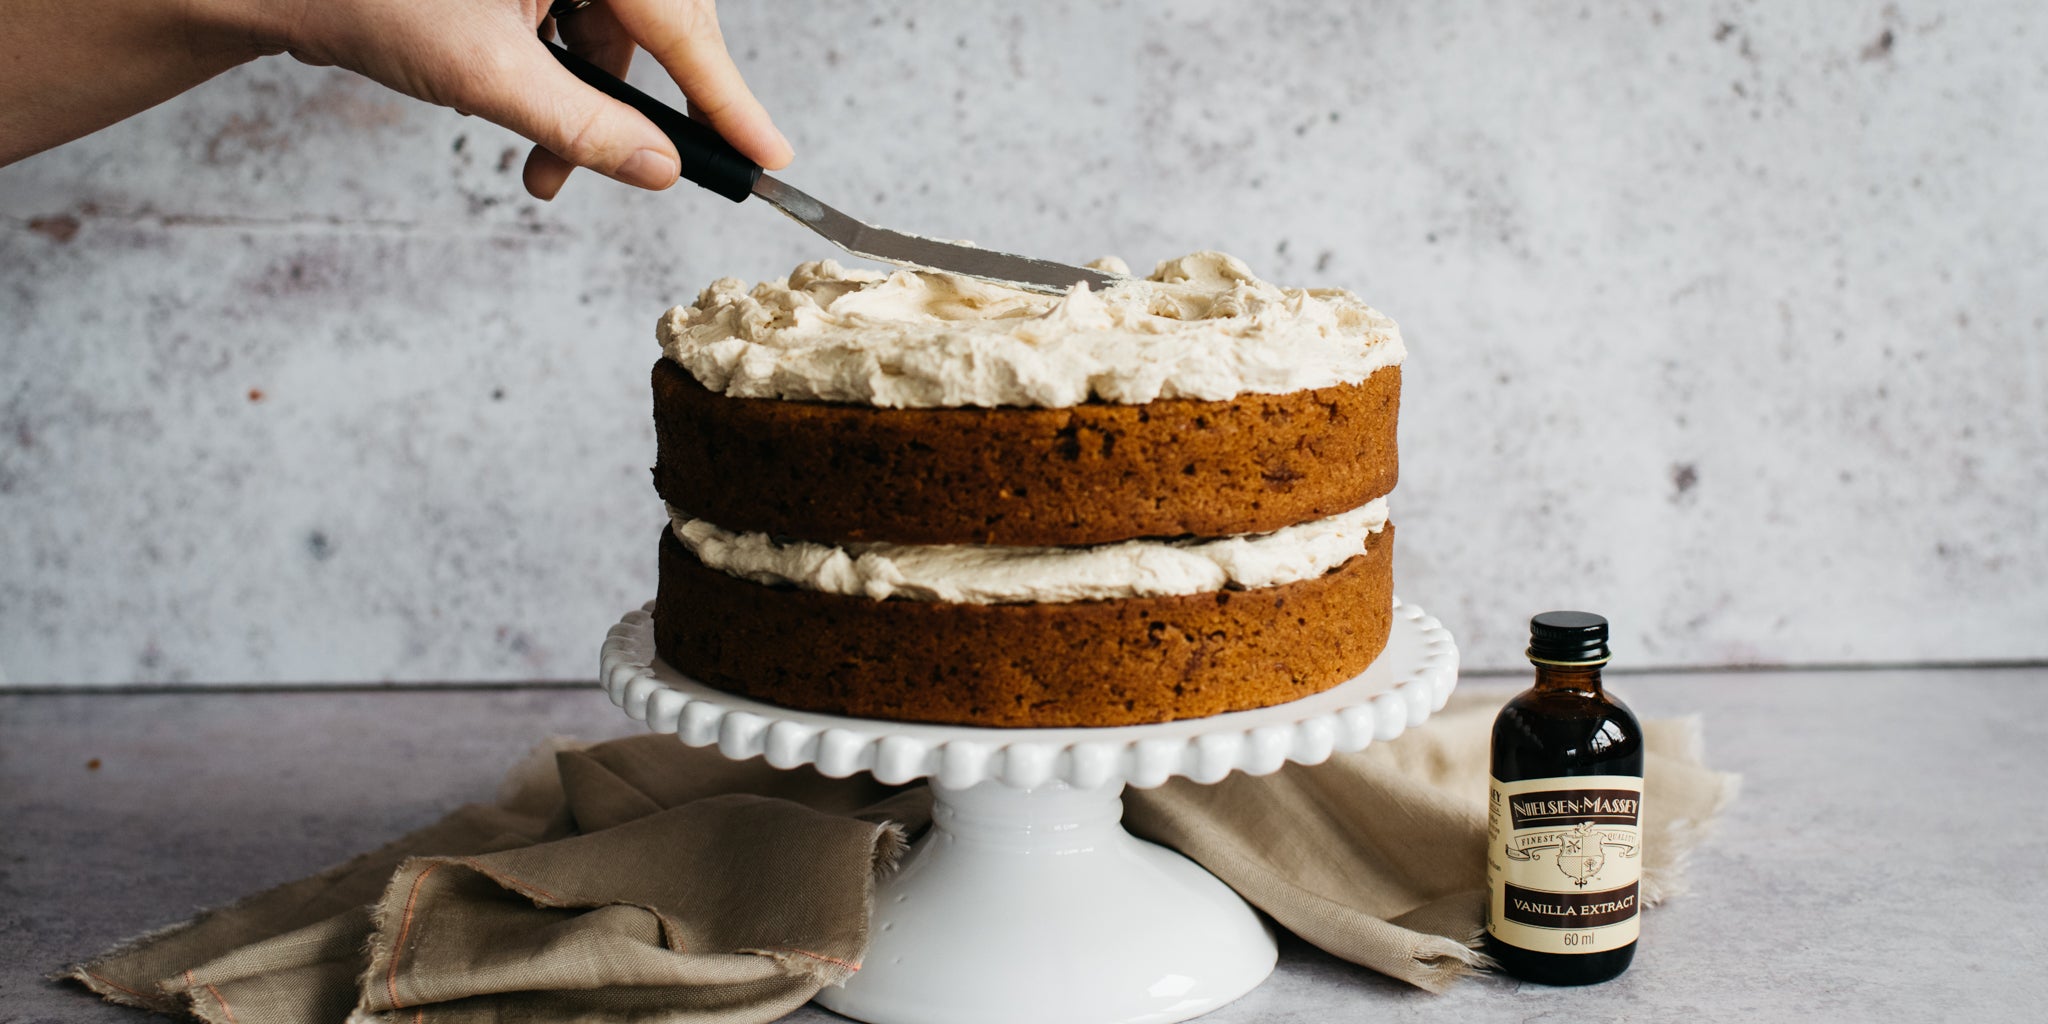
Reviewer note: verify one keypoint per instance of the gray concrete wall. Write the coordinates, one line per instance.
(1727, 320)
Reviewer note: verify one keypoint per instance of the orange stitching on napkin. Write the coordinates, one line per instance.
(502, 877)
(404, 929)
(190, 982)
(223, 1003)
(817, 956)
(111, 984)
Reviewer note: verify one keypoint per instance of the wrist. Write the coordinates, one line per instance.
(243, 29)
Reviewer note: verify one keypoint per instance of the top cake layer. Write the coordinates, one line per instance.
(843, 407)
(1201, 327)
(1091, 474)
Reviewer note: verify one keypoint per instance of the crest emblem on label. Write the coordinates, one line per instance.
(1580, 854)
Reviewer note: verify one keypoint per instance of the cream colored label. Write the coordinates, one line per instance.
(1564, 863)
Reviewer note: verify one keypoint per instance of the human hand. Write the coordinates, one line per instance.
(483, 57)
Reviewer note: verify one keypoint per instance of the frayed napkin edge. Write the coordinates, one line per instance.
(86, 973)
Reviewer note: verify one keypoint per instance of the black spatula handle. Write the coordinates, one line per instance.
(707, 158)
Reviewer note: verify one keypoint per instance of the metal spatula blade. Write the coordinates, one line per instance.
(710, 161)
(884, 245)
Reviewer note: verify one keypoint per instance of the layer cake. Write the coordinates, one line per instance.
(921, 497)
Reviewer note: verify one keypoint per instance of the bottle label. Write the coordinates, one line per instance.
(1564, 862)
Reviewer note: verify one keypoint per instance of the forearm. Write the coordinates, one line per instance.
(72, 67)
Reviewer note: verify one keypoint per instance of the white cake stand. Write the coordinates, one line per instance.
(1027, 901)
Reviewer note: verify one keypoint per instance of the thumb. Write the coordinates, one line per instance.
(524, 89)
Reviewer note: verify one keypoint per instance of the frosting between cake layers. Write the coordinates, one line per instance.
(1200, 327)
(976, 574)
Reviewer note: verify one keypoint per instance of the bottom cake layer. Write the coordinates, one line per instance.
(1086, 663)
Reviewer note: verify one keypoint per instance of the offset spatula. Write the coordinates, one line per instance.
(711, 162)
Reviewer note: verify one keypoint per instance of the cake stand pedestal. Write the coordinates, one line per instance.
(1027, 901)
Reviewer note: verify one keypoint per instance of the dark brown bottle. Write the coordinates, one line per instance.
(1564, 828)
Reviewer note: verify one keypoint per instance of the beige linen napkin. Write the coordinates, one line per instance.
(641, 880)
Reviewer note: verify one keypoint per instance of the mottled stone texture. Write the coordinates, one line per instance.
(1726, 320)
(1806, 905)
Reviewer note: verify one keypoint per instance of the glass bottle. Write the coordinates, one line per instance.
(1564, 827)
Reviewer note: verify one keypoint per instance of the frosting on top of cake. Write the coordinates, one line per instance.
(976, 574)
(1202, 327)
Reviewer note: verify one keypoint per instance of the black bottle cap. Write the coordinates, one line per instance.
(1568, 638)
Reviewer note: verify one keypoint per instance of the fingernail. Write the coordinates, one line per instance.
(648, 169)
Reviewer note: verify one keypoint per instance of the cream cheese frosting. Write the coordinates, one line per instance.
(976, 574)
(1200, 327)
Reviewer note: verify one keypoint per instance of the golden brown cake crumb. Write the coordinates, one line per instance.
(1087, 663)
(1089, 474)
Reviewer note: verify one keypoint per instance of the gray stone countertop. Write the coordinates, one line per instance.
(1884, 863)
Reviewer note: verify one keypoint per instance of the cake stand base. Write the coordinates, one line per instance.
(1031, 905)
(1027, 900)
